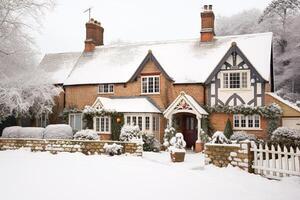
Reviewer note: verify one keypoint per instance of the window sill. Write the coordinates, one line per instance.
(234, 89)
(105, 92)
(103, 133)
(247, 129)
(154, 93)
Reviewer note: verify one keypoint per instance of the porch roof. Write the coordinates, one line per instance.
(185, 103)
(127, 104)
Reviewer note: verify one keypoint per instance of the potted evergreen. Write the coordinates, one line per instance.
(177, 148)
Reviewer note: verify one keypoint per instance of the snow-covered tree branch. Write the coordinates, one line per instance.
(24, 89)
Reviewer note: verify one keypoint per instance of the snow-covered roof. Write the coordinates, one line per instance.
(286, 102)
(127, 104)
(185, 61)
(59, 65)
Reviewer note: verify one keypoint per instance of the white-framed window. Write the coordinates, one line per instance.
(106, 88)
(150, 84)
(146, 121)
(75, 121)
(235, 79)
(246, 122)
(102, 124)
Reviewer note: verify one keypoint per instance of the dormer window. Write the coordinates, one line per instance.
(106, 88)
(235, 80)
(150, 85)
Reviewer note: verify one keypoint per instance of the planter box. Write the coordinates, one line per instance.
(177, 156)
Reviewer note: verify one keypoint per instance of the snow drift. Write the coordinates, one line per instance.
(58, 131)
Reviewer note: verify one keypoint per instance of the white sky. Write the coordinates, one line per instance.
(130, 20)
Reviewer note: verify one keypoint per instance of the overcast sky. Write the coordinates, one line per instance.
(130, 20)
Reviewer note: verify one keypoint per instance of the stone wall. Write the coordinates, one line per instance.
(238, 155)
(55, 146)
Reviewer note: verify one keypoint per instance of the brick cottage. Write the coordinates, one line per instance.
(154, 84)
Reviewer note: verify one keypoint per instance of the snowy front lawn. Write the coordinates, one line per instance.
(41, 176)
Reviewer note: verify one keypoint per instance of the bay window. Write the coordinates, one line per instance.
(150, 84)
(102, 124)
(246, 122)
(146, 122)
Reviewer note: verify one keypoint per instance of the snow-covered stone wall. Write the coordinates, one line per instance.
(55, 146)
(222, 155)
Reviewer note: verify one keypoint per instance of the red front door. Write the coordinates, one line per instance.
(189, 130)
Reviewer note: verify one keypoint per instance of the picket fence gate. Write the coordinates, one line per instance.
(276, 162)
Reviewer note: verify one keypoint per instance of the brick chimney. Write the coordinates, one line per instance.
(207, 24)
(94, 35)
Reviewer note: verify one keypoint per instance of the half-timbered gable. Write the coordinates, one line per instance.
(235, 81)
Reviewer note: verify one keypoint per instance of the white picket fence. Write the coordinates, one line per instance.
(275, 162)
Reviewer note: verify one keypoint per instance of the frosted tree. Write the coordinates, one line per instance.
(283, 11)
(24, 89)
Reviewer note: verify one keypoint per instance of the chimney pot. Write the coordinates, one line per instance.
(210, 7)
(205, 7)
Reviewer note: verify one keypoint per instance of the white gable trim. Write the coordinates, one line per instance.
(191, 106)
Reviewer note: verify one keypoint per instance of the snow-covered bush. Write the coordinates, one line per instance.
(87, 134)
(31, 132)
(11, 132)
(58, 131)
(177, 143)
(285, 133)
(23, 132)
(241, 136)
(129, 133)
(113, 149)
(150, 143)
(168, 135)
(219, 138)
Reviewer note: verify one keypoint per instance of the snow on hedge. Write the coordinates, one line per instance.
(11, 132)
(219, 138)
(241, 136)
(113, 149)
(286, 133)
(58, 131)
(87, 134)
(23, 132)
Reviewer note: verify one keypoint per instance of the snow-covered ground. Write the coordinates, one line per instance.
(28, 176)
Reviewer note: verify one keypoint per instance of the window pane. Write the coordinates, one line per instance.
(153, 124)
(144, 85)
(236, 121)
(97, 124)
(128, 120)
(101, 89)
(106, 124)
(102, 124)
(105, 88)
(150, 85)
(77, 122)
(244, 80)
(225, 80)
(256, 121)
(111, 88)
(243, 121)
(134, 120)
(234, 80)
(147, 123)
(140, 122)
(156, 86)
(250, 121)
